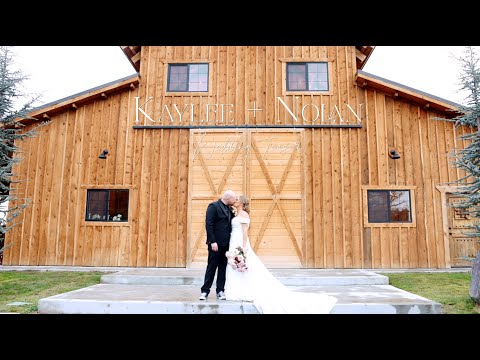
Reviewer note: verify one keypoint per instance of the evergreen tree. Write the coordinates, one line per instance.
(468, 159)
(12, 133)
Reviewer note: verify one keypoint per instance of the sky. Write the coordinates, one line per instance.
(56, 72)
(431, 69)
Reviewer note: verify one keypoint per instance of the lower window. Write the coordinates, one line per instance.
(389, 207)
(386, 206)
(107, 205)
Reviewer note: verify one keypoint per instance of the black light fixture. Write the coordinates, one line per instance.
(393, 154)
(104, 154)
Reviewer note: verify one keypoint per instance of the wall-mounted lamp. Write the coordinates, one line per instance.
(104, 154)
(393, 154)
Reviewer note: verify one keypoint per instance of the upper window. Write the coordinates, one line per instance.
(311, 76)
(187, 77)
(389, 206)
(107, 205)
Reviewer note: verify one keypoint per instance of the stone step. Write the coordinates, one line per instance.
(289, 277)
(183, 299)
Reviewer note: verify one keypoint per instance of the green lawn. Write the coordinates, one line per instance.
(449, 289)
(30, 286)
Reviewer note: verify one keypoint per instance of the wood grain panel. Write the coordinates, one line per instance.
(316, 222)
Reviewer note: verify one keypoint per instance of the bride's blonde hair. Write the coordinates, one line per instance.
(245, 202)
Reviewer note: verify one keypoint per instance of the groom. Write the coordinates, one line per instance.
(218, 223)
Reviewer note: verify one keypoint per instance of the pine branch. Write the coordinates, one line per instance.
(12, 133)
(468, 158)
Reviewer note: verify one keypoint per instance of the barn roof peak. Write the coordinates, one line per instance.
(133, 54)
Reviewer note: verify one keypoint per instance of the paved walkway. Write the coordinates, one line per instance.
(176, 290)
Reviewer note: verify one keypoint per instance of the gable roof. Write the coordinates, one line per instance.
(74, 101)
(362, 55)
(133, 54)
(363, 79)
(426, 100)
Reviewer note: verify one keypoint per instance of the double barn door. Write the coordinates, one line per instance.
(266, 166)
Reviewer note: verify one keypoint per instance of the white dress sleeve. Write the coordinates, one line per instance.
(243, 220)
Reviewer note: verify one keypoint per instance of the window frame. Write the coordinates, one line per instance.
(211, 74)
(286, 61)
(411, 189)
(102, 222)
(307, 82)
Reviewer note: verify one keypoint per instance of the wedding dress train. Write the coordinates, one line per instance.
(268, 294)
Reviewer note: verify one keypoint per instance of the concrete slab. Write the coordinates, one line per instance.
(183, 299)
(375, 299)
(175, 291)
(289, 277)
(139, 299)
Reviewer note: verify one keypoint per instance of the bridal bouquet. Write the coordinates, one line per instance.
(237, 259)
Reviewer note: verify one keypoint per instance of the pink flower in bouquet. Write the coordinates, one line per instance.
(237, 259)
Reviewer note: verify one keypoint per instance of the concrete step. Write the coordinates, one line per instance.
(289, 277)
(183, 299)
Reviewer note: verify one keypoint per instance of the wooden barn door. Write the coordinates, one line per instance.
(217, 163)
(461, 245)
(266, 166)
(275, 178)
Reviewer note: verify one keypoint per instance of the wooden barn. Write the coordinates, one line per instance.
(344, 169)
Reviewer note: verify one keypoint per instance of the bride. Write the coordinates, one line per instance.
(257, 284)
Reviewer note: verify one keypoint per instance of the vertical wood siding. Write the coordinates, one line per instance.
(62, 163)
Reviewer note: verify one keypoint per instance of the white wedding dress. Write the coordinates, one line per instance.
(268, 294)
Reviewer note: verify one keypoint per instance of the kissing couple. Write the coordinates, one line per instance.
(227, 222)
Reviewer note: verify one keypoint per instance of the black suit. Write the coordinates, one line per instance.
(218, 223)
